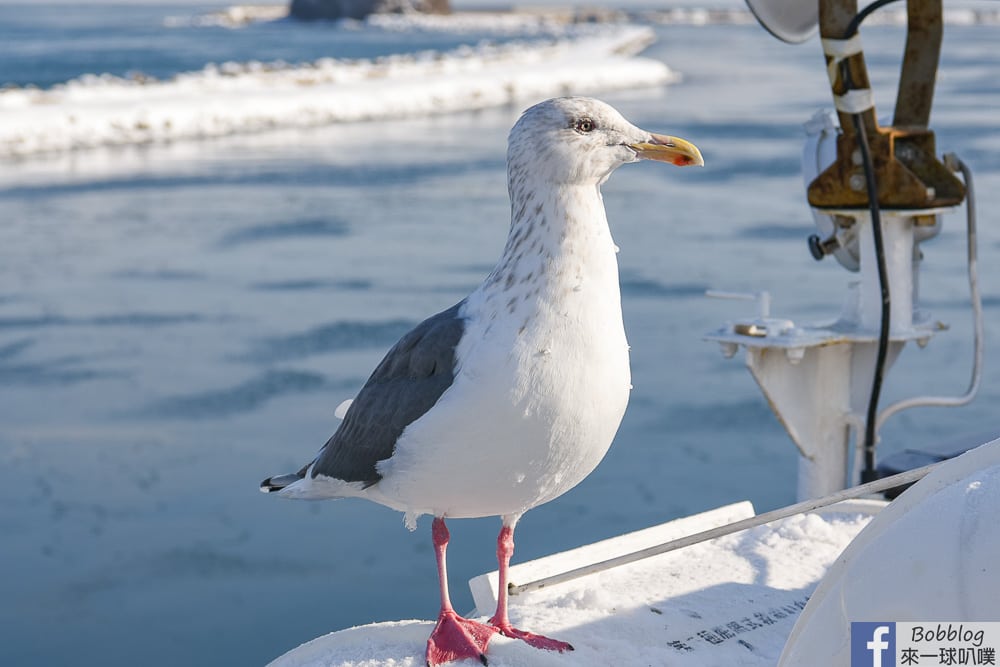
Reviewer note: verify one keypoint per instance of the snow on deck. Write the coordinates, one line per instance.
(731, 601)
(105, 110)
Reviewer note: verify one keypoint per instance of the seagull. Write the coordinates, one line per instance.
(512, 396)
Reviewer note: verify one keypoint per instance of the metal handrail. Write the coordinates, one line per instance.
(900, 479)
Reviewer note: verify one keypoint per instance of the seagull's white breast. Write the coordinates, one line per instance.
(542, 382)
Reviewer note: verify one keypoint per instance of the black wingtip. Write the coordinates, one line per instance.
(279, 482)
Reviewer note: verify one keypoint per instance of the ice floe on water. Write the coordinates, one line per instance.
(234, 16)
(218, 100)
(540, 20)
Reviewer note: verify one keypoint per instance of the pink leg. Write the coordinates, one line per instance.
(505, 549)
(454, 637)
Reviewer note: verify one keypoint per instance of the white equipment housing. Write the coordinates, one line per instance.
(818, 377)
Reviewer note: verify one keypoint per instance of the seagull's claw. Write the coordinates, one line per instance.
(531, 639)
(457, 638)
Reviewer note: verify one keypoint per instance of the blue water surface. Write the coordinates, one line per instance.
(46, 44)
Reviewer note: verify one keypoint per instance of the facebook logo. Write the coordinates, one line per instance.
(873, 644)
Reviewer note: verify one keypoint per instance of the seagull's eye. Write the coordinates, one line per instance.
(584, 125)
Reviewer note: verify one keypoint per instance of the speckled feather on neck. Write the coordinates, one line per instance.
(554, 236)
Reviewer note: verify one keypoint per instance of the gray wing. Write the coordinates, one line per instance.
(405, 385)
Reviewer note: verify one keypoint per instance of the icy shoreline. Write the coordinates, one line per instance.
(104, 110)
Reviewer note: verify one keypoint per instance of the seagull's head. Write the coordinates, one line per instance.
(578, 140)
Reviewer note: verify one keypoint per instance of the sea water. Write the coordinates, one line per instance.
(179, 321)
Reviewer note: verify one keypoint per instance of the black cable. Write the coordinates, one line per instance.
(852, 27)
(869, 473)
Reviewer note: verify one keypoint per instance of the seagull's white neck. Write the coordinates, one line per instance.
(559, 239)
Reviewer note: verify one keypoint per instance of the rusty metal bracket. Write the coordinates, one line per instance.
(908, 172)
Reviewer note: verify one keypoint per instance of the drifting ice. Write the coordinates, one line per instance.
(233, 98)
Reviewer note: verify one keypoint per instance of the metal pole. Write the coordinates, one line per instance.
(877, 486)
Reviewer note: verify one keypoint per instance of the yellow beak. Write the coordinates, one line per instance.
(674, 150)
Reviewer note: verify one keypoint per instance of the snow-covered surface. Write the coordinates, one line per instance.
(94, 111)
(932, 554)
(484, 587)
(731, 601)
